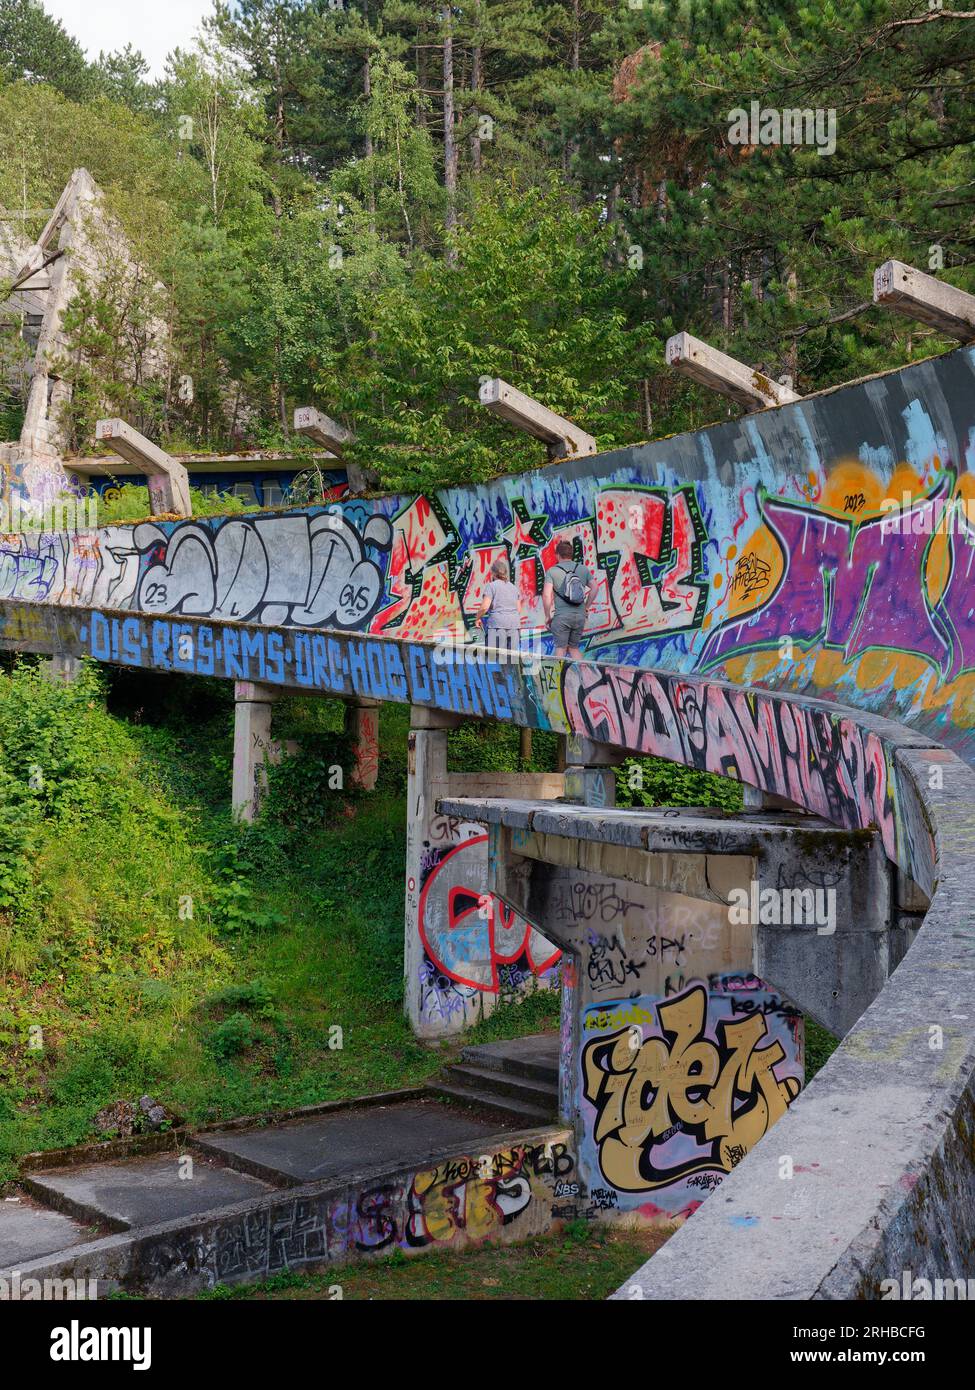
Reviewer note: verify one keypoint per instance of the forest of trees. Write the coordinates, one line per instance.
(370, 204)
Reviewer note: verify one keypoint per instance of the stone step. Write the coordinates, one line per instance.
(28, 1231)
(541, 1095)
(478, 1099)
(536, 1056)
(138, 1192)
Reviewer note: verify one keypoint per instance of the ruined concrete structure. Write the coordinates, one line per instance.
(785, 600)
(79, 242)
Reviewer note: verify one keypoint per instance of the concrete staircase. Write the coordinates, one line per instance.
(518, 1078)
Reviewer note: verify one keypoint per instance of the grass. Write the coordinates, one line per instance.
(150, 944)
(582, 1262)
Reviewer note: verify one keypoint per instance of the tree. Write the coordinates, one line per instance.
(530, 299)
(36, 48)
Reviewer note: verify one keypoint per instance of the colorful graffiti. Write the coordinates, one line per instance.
(466, 931)
(805, 754)
(474, 947)
(675, 1091)
(825, 547)
(818, 757)
(467, 1199)
(838, 577)
(513, 1192)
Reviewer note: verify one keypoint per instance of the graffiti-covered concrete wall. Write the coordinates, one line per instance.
(675, 1058)
(825, 546)
(464, 951)
(511, 1190)
(674, 1091)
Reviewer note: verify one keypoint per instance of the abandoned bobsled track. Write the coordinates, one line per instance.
(759, 613)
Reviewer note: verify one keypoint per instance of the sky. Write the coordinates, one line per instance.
(154, 26)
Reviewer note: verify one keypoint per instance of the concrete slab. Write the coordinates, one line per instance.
(27, 1232)
(351, 1141)
(144, 1191)
(537, 1055)
(690, 830)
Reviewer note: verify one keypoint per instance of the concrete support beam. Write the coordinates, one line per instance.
(562, 437)
(424, 717)
(323, 429)
(589, 776)
(919, 296)
(168, 481)
(61, 668)
(253, 746)
(362, 726)
(817, 902)
(709, 367)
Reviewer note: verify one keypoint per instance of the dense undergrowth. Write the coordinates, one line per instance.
(150, 943)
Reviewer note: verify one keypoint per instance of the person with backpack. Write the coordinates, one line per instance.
(565, 598)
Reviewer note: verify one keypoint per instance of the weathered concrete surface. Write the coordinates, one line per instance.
(455, 977)
(28, 1231)
(831, 968)
(144, 1191)
(166, 479)
(324, 1147)
(881, 1142)
(501, 1189)
(253, 746)
(536, 1055)
(922, 297)
(710, 367)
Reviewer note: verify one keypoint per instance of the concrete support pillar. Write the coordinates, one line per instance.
(426, 783)
(589, 771)
(753, 798)
(61, 668)
(362, 726)
(166, 478)
(253, 746)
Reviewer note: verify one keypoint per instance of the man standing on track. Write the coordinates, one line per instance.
(565, 598)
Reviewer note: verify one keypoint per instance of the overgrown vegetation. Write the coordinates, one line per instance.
(150, 943)
(377, 205)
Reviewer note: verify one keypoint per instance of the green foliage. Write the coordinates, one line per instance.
(308, 222)
(656, 782)
(130, 502)
(527, 298)
(236, 1034)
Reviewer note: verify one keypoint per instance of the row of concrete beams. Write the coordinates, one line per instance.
(561, 437)
(898, 286)
(895, 285)
(169, 484)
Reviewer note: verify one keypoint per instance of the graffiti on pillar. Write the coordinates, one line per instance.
(674, 1092)
(473, 943)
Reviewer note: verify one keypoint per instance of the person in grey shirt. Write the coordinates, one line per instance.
(566, 620)
(500, 611)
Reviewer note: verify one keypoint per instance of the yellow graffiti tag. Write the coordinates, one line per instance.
(723, 1094)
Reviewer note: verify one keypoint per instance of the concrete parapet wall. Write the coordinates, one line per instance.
(506, 1190)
